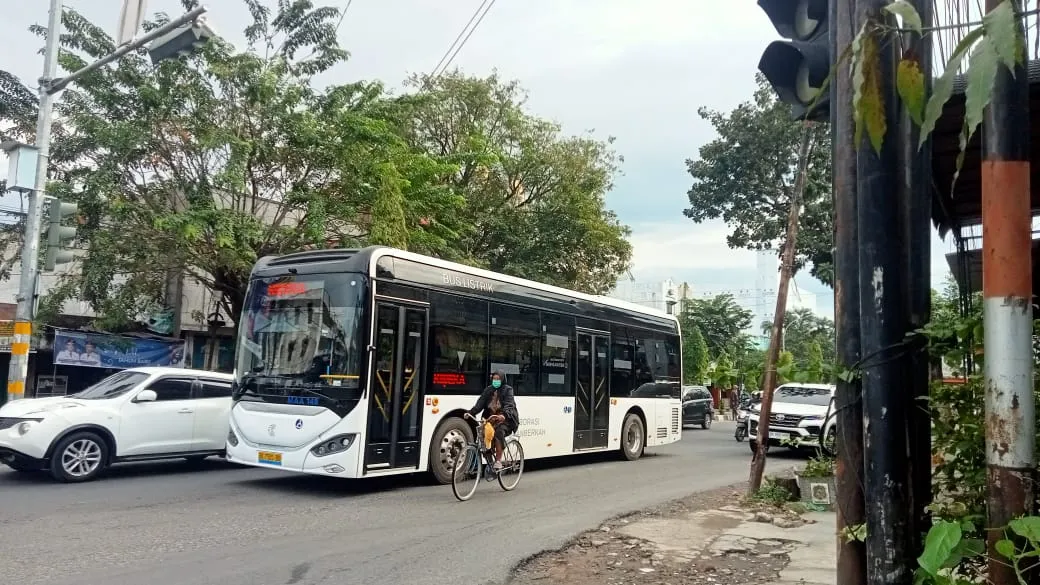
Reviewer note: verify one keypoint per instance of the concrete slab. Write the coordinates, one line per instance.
(811, 547)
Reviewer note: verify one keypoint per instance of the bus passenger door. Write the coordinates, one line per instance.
(395, 401)
(592, 391)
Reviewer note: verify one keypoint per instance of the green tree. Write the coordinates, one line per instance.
(723, 374)
(200, 166)
(721, 321)
(534, 198)
(804, 330)
(815, 369)
(746, 177)
(695, 354)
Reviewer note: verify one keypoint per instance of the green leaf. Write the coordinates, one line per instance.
(1027, 527)
(1006, 548)
(907, 13)
(940, 543)
(868, 101)
(910, 84)
(943, 87)
(982, 74)
(1002, 34)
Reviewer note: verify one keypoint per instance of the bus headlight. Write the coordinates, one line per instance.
(336, 444)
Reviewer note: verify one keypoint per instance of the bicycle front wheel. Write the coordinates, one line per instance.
(512, 465)
(466, 475)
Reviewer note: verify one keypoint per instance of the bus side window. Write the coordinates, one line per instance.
(458, 344)
(622, 374)
(515, 346)
(557, 341)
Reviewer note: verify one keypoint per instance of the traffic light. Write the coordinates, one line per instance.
(798, 68)
(181, 41)
(57, 234)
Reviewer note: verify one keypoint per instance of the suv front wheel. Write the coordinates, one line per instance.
(79, 457)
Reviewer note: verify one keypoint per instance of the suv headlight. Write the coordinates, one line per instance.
(24, 427)
(336, 444)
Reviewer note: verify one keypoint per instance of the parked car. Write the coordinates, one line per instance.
(138, 414)
(698, 407)
(798, 412)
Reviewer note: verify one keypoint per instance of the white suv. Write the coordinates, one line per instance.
(134, 415)
(798, 413)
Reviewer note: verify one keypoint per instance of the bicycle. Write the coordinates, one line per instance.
(475, 461)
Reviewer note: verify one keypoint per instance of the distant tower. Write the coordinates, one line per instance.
(766, 280)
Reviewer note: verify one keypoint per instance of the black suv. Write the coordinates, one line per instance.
(698, 407)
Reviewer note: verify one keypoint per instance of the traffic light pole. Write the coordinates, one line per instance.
(23, 316)
(848, 469)
(49, 86)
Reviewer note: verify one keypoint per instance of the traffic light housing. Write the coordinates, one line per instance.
(798, 68)
(59, 235)
(180, 42)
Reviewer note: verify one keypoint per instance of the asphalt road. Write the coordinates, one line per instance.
(172, 524)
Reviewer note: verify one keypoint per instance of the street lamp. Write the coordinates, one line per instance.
(50, 85)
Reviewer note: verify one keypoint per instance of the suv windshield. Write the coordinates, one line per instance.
(299, 337)
(115, 385)
(803, 395)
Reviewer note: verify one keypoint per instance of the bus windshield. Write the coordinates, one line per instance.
(299, 339)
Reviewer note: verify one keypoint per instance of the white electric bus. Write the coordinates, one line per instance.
(360, 363)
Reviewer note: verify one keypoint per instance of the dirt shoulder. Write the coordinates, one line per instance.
(613, 554)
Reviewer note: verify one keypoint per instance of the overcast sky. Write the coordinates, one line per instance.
(634, 69)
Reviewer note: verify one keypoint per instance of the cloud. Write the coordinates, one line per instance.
(671, 248)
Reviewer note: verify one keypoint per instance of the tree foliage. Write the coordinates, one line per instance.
(534, 199)
(721, 322)
(696, 357)
(807, 336)
(998, 41)
(200, 166)
(746, 177)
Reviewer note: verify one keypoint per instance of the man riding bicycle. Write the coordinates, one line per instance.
(499, 410)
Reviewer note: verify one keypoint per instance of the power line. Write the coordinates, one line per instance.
(461, 40)
(343, 14)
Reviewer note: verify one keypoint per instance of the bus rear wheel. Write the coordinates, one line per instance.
(633, 437)
(449, 440)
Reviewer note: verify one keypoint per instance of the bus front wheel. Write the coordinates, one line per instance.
(451, 438)
(633, 437)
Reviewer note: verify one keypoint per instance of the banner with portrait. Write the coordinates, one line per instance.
(99, 350)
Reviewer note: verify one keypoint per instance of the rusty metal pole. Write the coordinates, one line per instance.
(852, 555)
(1007, 307)
(883, 329)
(916, 206)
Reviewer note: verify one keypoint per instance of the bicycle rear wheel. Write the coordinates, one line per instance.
(512, 465)
(466, 475)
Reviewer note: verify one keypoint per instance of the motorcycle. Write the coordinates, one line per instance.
(742, 423)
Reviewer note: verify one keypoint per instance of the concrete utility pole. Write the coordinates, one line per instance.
(171, 41)
(1007, 290)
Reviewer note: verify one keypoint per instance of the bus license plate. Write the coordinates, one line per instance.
(778, 436)
(269, 458)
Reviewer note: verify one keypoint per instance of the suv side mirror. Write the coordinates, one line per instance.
(146, 396)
